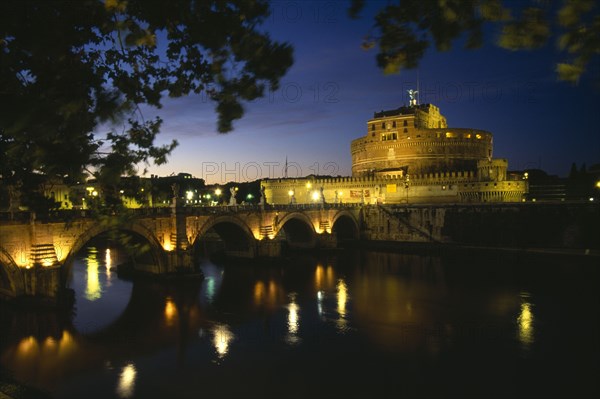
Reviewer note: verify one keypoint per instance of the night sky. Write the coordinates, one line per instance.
(334, 87)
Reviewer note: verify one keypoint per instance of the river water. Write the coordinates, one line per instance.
(353, 323)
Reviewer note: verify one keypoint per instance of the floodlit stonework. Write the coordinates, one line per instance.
(410, 155)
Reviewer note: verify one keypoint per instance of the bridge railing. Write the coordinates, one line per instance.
(20, 216)
(311, 206)
(221, 209)
(62, 215)
(49, 216)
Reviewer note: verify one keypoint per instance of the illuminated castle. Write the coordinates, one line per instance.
(410, 155)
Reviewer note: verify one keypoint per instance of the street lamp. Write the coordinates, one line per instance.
(406, 185)
(315, 195)
(291, 195)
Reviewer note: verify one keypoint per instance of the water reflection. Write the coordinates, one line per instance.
(268, 295)
(213, 278)
(525, 321)
(41, 359)
(407, 316)
(222, 337)
(293, 320)
(126, 385)
(170, 312)
(91, 277)
(320, 302)
(399, 300)
(109, 264)
(259, 292)
(324, 277)
(210, 288)
(93, 290)
(342, 298)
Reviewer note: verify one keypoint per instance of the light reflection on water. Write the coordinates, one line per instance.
(411, 314)
(213, 277)
(108, 262)
(41, 359)
(342, 298)
(320, 302)
(93, 290)
(293, 320)
(222, 337)
(126, 385)
(526, 321)
(170, 312)
(91, 278)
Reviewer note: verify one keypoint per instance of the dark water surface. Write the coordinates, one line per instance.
(349, 324)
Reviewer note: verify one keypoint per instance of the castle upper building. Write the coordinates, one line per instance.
(417, 140)
(410, 155)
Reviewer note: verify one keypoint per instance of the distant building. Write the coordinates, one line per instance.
(410, 155)
(134, 191)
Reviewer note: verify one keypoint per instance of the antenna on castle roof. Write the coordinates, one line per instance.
(417, 87)
(286, 167)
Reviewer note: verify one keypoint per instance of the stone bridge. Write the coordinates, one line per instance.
(35, 253)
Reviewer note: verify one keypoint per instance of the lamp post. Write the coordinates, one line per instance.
(315, 196)
(406, 185)
(218, 194)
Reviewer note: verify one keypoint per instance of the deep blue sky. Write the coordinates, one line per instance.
(334, 87)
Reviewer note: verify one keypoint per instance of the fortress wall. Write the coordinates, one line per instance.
(445, 187)
(549, 226)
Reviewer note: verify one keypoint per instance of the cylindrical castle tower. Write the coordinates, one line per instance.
(416, 140)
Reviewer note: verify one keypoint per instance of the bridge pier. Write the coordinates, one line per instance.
(270, 248)
(326, 240)
(42, 272)
(180, 260)
(43, 282)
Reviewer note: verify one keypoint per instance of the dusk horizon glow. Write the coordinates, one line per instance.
(334, 87)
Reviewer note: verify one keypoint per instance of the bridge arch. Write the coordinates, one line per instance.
(345, 226)
(299, 230)
(137, 228)
(12, 282)
(235, 234)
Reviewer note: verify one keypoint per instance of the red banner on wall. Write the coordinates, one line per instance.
(359, 193)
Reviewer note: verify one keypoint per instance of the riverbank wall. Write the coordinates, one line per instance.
(559, 227)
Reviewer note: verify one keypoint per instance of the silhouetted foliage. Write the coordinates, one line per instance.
(67, 67)
(405, 29)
